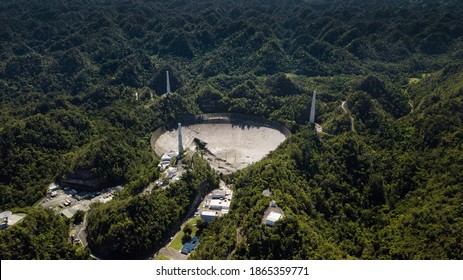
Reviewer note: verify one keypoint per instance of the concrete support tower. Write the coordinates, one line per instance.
(180, 141)
(168, 83)
(312, 108)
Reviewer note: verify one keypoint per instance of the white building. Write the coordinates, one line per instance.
(216, 204)
(53, 187)
(272, 218)
(209, 216)
(171, 172)
(218, 194)
(165, 162)
(165, 159)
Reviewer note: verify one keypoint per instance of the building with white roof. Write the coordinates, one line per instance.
(165, 161)
(52, 187)
(171, 172)
(272, 218)
(216, 204)
(209, 216)
(218, 194)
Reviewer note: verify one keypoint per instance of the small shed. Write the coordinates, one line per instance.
(266, 193)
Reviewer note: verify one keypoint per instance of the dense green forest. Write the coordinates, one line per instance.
(358, 195)
(134, 227)
(82, 84)
(41, 236)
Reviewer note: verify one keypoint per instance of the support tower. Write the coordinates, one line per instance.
(180, 141)
(312, 108)
(168, 83)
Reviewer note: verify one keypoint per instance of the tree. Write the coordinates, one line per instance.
(187, 230)
(79, 217)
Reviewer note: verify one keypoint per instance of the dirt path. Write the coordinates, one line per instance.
(411, 106)
(239, 239)
(343, 106)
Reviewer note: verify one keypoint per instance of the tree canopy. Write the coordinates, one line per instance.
(82, 86)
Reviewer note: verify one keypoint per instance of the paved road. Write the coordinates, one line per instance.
(174, 232)
(82, 234)
(172, 254)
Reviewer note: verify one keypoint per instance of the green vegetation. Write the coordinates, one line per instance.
(81, 88)
(181, 237)
(357, 195)
(134, 227)
(161, 257)
(40, 236)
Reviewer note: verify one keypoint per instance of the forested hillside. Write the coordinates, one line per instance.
(41, 236)
(82, 86)
(357, 195)
(134, 227)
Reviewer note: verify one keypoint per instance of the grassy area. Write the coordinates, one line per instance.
(161, 257)
(177, 242)
(413, 81)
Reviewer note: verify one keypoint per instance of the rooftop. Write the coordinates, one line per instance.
(274, 216)
(209, 213)
(266, 193)
(190, 246)
(218, 203)
(218, 193)
(67, 213)
(165, 157)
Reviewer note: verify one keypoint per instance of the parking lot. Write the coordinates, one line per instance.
(55, 202)
(68, 201)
